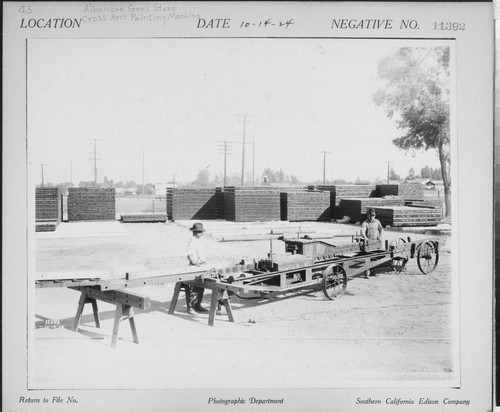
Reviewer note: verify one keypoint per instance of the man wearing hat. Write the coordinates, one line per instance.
(196, 257)
(371, 229)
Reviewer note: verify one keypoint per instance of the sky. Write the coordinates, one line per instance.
(174, 101)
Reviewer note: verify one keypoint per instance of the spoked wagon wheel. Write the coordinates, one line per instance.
(427, 257)
(334, 281)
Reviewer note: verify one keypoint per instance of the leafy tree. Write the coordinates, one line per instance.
(278, 176)
(393, 175)
(416, 96)
(233, 179)
(437, 174)
(202, 178)
(130, 185)
(426, 172)
(108, 182)
(411, 174)
(218, 180)
(86, 184)
(359, 181)
(430, 173)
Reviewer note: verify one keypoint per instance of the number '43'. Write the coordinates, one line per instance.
(25, 9)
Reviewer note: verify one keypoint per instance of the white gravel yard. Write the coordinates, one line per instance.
(391, 327)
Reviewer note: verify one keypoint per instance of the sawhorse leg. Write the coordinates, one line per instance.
(84, 298)
(123, 312)
(219, 297)
(175, 297)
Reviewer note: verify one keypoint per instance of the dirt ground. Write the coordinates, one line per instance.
(391, 327)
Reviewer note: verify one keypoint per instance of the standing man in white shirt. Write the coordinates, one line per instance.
(196, 256)
(371, 229)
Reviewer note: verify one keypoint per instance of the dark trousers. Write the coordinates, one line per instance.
(194, 296)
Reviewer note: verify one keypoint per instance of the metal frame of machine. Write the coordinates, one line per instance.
(306, 263)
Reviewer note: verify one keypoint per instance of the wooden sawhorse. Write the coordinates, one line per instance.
(219, 294)
(124, 302)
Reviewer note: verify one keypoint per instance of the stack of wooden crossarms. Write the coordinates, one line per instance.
(144, 209)
(144, 218)
(192, 203)
(397, 216)
(339, 192)
(248, 204)
(387, 190)
(429, 203)
(219, 203)
(356, 208)
(47, 209)
(310, 205)
(86, 203)
(411, 190)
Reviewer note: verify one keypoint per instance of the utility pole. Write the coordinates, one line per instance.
(253, 161)
(243, 155)
(225, 149)
(95, 158)
(95, 163)
(324, 164)
(388, 171)
(143, 172)
(41, 165)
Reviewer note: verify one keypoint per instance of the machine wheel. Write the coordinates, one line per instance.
(396, 243)
(334, 281)
(398, 264)
(427, 257)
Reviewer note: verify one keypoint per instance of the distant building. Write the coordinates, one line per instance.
(429, 184)
(122, 191)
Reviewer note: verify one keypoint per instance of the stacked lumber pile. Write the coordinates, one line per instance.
(47, 226)
(191, 203)
(86, 203)
(387, 190)
(356, 208)
(397, 216)
(47, 203)
(411, 190)
(47, 209)
(219, 203)
(433, 203)
(311, 205)
(144, 218)
(339, 192)
(248, 204)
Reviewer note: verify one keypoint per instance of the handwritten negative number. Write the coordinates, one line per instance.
(448, 26)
